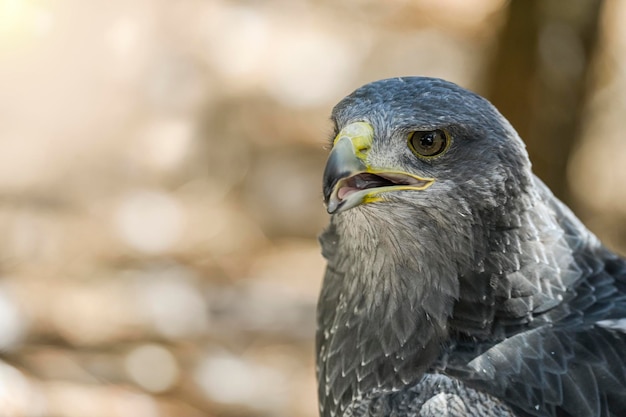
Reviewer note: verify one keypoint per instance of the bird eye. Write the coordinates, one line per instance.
(428, 144)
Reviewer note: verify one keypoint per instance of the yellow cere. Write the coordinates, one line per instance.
(361, 134)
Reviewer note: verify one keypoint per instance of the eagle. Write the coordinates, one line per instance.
(456, 283)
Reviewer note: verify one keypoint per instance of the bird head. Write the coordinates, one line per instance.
(421, 142)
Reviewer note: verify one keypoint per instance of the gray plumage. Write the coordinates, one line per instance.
(480, 295)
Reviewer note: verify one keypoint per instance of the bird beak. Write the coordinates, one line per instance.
(349, 181)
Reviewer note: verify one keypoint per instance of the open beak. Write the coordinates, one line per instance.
(349, 181)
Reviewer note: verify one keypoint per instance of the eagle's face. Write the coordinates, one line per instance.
(422, 142)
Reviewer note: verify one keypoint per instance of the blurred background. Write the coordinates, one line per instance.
(160, 170)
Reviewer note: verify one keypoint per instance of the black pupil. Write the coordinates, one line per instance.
(427, 141)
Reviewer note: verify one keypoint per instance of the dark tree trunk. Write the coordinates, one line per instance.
(538, 78)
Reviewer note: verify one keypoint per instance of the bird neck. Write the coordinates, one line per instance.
(383, 311)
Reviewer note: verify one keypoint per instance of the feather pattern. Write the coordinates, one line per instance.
(482, 295)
